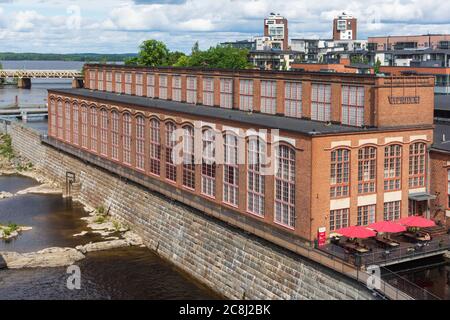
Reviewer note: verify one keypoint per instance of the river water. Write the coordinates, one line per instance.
(127, 273)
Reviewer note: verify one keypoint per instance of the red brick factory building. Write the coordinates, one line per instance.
(351, 149)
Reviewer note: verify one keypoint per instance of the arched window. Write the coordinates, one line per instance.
(60, 116)
(75, 123)
(255, 178)
(94, 127)
(53, 130)
(126, 133)
(171, 169)
(68, 122)
(155, 147)
(208, 164)
(285, 186)
(367, 169)
(104, 132)
(231, 170)
(392, 167)
(84, 126)
(140, 142)
(188, 157)
(115, 133)
(417, 165)
(340, 173)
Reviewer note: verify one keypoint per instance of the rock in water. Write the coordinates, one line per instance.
(2, 262)
(133, 239)
(5, 195)
(47, 258)
(104, 245)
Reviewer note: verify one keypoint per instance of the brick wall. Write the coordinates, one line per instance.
(224, 258)
(439, 165)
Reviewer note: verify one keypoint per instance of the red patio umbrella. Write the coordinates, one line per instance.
(357, 232)
(387, 227)
(416, 221)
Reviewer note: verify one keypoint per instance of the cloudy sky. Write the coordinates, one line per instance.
(118, 26)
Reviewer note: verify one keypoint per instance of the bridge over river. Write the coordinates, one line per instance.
(24, 76)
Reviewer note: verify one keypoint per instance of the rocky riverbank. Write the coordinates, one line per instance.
(61, 257)
(113, 232)
(58, 257)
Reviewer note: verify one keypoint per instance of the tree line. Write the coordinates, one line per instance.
(155, 53)
(82, 57)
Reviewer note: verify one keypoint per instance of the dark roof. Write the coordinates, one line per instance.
(276, 51)
(442, 102)
(225, 71)
(442, 136)
(415, 51)
(360, 66)
(302, 126)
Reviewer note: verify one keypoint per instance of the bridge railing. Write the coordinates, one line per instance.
(5, 73)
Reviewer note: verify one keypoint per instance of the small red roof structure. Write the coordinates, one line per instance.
(387, 227)
(357, 232)
(417, 221)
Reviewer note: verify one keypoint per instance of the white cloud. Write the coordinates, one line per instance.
(120, 25)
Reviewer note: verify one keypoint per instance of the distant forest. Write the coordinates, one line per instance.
(84, 57)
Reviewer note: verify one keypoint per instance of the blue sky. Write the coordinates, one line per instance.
(118, 26)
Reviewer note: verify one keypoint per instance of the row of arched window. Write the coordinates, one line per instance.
(110, 134)
(367, 169)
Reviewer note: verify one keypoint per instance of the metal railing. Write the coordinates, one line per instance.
(40, 74)
(392, 284)
(406, 286)
(388, 256)
(384, 257)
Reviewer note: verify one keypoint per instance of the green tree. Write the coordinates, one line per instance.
(195, 48)
(152, 53)
(219, 57)
(174, 57)
(183, 61)
(377, 66)
(359, 59)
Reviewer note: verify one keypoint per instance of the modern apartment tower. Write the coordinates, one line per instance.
(345, 27)
(276, 27)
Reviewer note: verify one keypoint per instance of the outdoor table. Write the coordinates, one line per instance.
(361, 250)
(415, 237)
(387, 242)
(355, 248)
